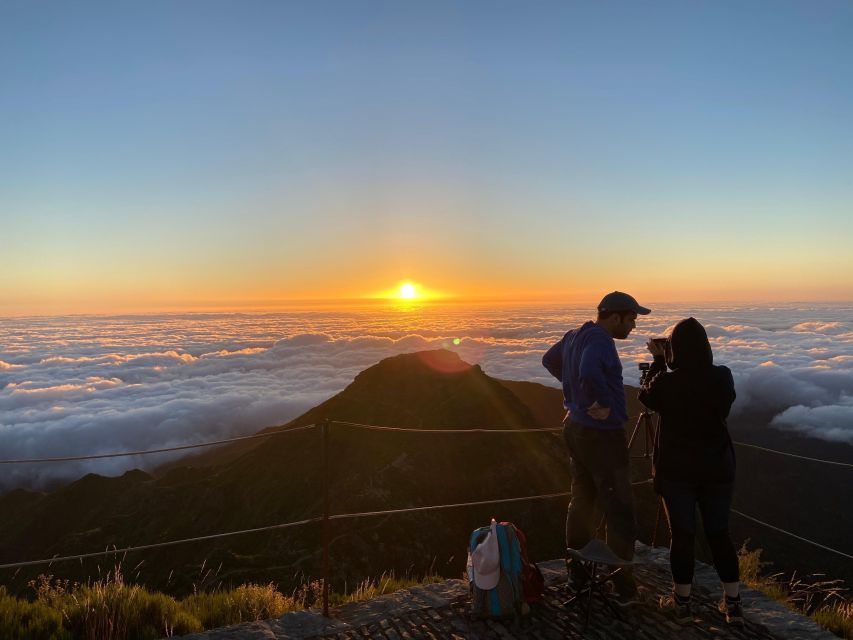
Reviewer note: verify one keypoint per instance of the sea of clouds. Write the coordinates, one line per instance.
(85, 385)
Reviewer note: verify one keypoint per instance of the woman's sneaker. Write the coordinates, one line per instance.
(677, 608)
(733, 610)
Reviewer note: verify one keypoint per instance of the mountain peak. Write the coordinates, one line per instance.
(425, 389)
(435, 361)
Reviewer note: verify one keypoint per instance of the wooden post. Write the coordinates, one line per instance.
(326, 522)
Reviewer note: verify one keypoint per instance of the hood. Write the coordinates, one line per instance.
(689, 346)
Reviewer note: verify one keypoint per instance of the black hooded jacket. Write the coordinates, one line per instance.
(693, 400)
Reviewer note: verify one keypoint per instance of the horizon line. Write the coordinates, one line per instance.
(327, 304)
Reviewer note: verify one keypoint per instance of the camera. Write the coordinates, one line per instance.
(644, 372)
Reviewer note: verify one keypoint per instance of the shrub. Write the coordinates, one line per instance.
(751, 565)
(109, 609)
(246, 603)
(22, 620)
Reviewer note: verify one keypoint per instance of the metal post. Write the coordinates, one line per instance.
(326, 522)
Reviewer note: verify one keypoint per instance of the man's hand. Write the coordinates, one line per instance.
(597, 412)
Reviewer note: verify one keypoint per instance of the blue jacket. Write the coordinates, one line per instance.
(587, 364)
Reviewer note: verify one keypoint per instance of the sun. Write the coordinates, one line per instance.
(407, 291)
(408, 294)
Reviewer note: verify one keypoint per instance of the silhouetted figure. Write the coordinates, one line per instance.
(694, 460)
(587, 364)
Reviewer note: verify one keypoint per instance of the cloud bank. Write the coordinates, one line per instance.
(89, 385)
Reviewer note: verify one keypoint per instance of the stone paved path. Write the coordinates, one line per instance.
(440, 611)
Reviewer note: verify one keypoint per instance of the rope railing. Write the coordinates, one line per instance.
(287, 525)
(370, 427)
(345, 516)
(794, 455)
(156, 545)
(479, 503)
(793, 535)
(182, 447)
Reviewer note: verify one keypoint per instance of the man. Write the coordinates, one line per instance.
(587, 364)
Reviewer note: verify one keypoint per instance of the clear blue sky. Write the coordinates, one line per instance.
(167, 154)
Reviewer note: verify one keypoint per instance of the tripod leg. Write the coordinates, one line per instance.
(646, 425)
(648, 435)
(634, 433)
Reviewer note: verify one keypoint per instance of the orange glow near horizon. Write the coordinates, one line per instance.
(199, 294)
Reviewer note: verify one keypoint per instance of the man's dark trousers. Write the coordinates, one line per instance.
(601, 486)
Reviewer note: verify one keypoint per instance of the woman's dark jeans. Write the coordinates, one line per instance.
(714, 501)
(601, 486)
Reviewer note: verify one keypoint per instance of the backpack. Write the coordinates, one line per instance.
(532, 580)
(516, 586)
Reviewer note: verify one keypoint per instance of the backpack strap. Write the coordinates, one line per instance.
(515, 553)
(503, 545)
(508, 562)
(495, 603)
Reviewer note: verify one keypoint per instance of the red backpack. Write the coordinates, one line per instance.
(532, 581)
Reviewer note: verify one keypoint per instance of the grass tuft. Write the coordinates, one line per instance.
(375, 587)
(822, 600)
(246, 603)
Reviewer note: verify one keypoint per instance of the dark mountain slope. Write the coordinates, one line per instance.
(279, 480)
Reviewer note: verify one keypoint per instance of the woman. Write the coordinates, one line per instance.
(694, 461)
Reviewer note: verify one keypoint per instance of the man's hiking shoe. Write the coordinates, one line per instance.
(679, 610)
(732, 609)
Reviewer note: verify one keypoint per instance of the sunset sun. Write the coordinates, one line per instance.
(408, 291)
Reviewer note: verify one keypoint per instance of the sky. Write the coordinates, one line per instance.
(166, 156)
(103, 384)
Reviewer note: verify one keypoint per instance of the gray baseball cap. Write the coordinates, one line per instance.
(618, 301)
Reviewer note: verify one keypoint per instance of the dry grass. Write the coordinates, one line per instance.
(375, 587)
(837, 618)
(823, 600)
(112, 609)
(246, 603)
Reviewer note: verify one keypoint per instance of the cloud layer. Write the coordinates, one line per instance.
(88, 385)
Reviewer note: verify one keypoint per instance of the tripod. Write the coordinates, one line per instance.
(648, 425)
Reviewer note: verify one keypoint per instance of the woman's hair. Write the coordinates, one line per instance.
(689, 346)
